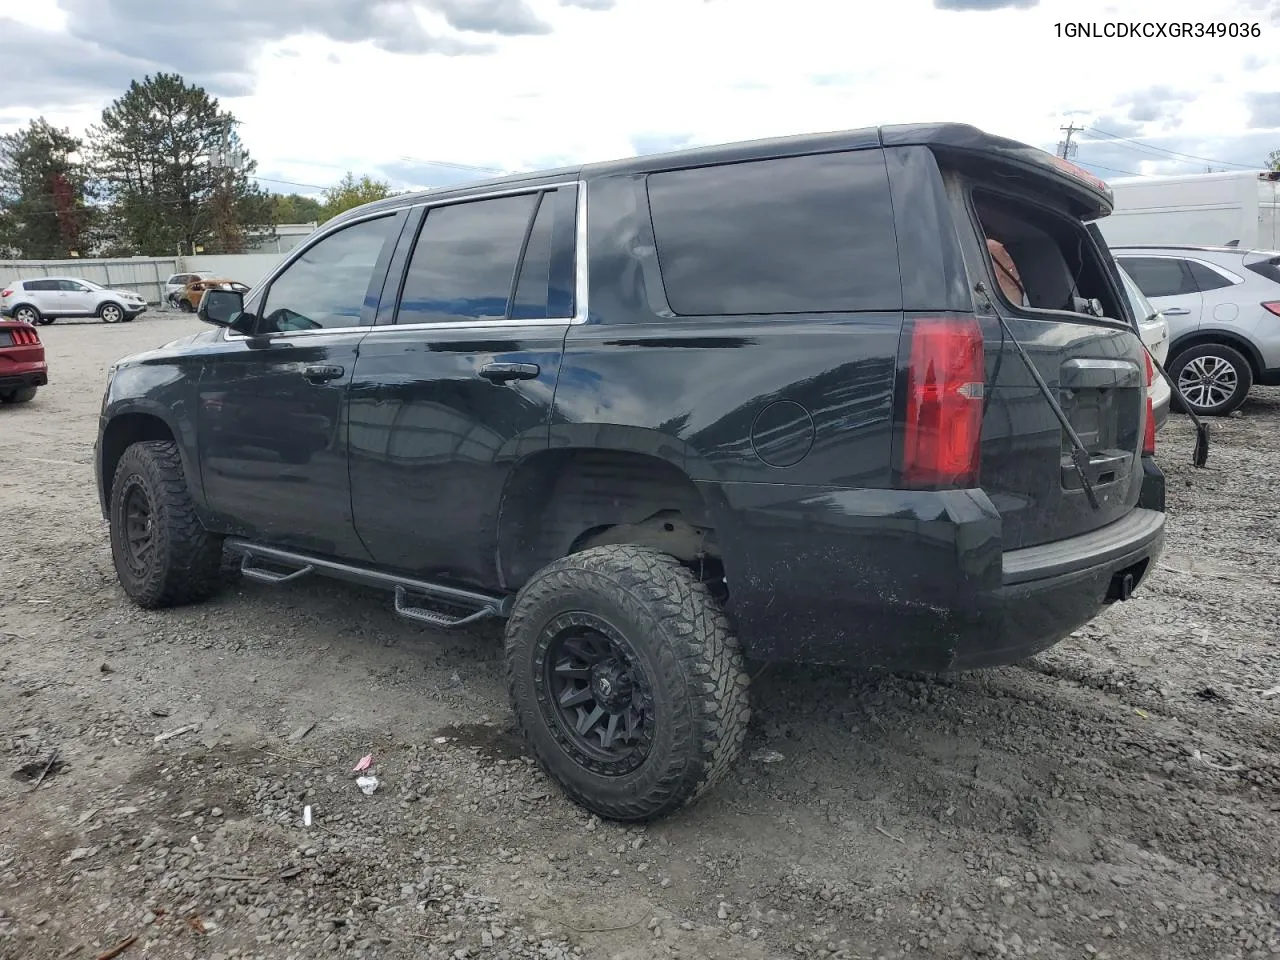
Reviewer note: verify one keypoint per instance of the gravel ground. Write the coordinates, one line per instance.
(1117, 797)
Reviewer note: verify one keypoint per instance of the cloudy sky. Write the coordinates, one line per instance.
(427, 92)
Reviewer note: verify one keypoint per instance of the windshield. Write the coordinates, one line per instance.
(1141, 306)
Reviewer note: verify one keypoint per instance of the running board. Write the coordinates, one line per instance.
(299, 565)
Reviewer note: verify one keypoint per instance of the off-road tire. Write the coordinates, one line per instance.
(111, 310)
(1244, 379)
(185, 557)
(19, 395)
(690, 657)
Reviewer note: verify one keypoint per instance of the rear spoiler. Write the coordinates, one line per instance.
(1200, 456)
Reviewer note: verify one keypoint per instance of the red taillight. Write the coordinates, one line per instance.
(945, 377)
(1149, 434)
(24, 336)
(6, 293)
(1272, 306)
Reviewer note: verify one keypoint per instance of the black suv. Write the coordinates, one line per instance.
(771, 400)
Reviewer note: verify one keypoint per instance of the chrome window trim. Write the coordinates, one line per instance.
(581, 263)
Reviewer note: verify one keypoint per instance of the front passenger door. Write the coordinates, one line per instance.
(77, 299)
(272, 417)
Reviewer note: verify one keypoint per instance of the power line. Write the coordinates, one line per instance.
(454, 166)
(1098, 166)
(289, 183)
(1186, 157)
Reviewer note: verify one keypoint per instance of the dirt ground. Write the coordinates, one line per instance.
(1116, 797)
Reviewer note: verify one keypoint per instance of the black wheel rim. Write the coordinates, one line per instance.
(139, 529)
(594, 694)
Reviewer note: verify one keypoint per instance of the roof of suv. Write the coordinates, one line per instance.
(956, 137)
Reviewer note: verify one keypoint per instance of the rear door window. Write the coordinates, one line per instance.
(792, 235)
(1205, 278)
(496, 259)
(1160, 276)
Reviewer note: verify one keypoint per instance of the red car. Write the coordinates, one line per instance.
(22, 364)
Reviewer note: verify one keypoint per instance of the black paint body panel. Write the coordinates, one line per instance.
(785, 429)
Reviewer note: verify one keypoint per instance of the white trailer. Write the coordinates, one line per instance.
(1205, 209)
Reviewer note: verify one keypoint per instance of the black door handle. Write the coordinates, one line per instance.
(503, 372)
(322, 372)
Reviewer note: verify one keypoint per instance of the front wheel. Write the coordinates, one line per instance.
(163, 555)
(185, 306)
(110, 313)
(626, 680)
(1211, 379)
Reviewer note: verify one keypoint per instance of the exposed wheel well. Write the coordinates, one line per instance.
(565, 501)
(122, 433)
(1220, 339)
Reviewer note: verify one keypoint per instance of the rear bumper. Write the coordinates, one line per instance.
(23, 375)
(917, 581)
(1160, 407)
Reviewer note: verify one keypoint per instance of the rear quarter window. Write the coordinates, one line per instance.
(1205, 278)
(792, 235)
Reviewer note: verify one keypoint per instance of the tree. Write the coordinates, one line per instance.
(1273, 161)
(175, 172)
(44, 214)
(295, 208)
(350, 192)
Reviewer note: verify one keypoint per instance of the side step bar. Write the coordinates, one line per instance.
(481, 605)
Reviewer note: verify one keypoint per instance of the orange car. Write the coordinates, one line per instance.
(189, 298)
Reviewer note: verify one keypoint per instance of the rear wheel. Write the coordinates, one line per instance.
(1211, 380)
(19, 395)
(111, 313)
(626, 681)
(185, 306)
(163, 555)
(27, 314)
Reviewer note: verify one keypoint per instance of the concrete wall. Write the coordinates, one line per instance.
(143, 275)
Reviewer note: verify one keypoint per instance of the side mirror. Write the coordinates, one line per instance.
(221, 307)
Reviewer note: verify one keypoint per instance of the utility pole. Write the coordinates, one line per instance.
(1067, 149)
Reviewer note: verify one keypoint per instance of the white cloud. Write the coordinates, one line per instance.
(715, 70)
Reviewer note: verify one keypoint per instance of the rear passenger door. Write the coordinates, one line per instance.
(455, 383)
(1171, 288)
(44, 294)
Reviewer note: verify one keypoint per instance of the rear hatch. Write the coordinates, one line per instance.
(1052, 287)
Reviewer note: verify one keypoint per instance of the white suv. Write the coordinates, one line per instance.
(49, 298)
(1223, 308)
